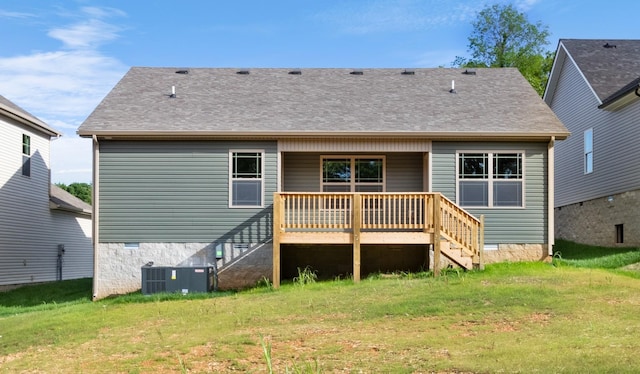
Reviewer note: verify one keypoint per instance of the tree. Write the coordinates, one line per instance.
(80, 190)
(503, 37)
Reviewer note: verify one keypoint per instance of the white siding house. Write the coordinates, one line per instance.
(594, 90)
(37, 220)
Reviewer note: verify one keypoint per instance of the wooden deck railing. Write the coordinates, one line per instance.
(460, 227)
(309, 212)
(312, 213)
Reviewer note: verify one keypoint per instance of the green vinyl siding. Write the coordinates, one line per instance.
(404, 172)
(178, 191)
(502, 225)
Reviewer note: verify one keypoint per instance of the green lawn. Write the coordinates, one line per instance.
(570, 316)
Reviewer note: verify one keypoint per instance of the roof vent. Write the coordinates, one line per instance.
(609, 45)
(453, 87)
(408, 72)
(295, 72)
(242, 72)
(183, 71)
(357, 72)
(469, 72)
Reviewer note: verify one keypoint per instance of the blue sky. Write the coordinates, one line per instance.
(58, 59)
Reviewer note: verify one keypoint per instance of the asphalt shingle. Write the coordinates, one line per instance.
(608, 65)
(321, 102)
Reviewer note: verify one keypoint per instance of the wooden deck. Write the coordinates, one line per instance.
(376, 218)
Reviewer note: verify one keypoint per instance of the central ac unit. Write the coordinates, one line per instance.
(177, 279)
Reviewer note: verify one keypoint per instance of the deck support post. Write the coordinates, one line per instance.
(428, 219)
(357, 219)
(481, 243)
(277, 227)
(437, 227)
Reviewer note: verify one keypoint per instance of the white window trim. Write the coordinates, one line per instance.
(231, 179)
(586, 152)
(353, 158)
(490, 179)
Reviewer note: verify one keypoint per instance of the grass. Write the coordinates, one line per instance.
(46, 296)
(594, 257)
(512, 317)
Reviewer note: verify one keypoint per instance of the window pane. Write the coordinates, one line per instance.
(588, 163)
(474, 193)
(588, 151)
(247, 165)
(336, 171)
(26, 166)
(247, 193)
(26, 145)
(588, 141)
(368, 170)
(507, 194)
(473, 165)
(507, 165)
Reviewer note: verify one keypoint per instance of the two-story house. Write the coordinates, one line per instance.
(594, 89)
(45, 233)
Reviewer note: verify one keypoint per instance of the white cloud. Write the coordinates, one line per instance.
(62, 87)
(59, 84)
(19, 15)
(103, 12)
(525, 5)
(86, 34)
(398, 15)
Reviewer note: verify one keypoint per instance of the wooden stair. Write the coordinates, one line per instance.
(456, 254)
(459, 236)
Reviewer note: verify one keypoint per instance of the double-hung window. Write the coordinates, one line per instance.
(353, 174)
(246, 169)
(490, 179)
(26, 155)
(588, 151)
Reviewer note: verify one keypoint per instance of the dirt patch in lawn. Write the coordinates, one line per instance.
(635, 267)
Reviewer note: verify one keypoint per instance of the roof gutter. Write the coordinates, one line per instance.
(624, 92)
(28, 120)
(71, 209)
(172, 135)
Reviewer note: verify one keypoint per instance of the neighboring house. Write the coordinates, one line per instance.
(36, 218)
(594, 90)
(274, 169)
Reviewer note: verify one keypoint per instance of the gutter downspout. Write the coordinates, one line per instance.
(95, 199)
(551, 193)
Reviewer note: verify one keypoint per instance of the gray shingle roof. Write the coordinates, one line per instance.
(61, 199)
(607, 70)
(322, 102)
(8, 108)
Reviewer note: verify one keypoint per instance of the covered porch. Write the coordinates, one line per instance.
(364, 218)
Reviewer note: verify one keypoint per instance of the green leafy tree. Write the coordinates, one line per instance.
(80, 190)
(503, 37)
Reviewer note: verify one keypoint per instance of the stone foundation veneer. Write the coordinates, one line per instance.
(119, 268)
(517, 253)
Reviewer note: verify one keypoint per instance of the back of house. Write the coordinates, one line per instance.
(259, 172)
